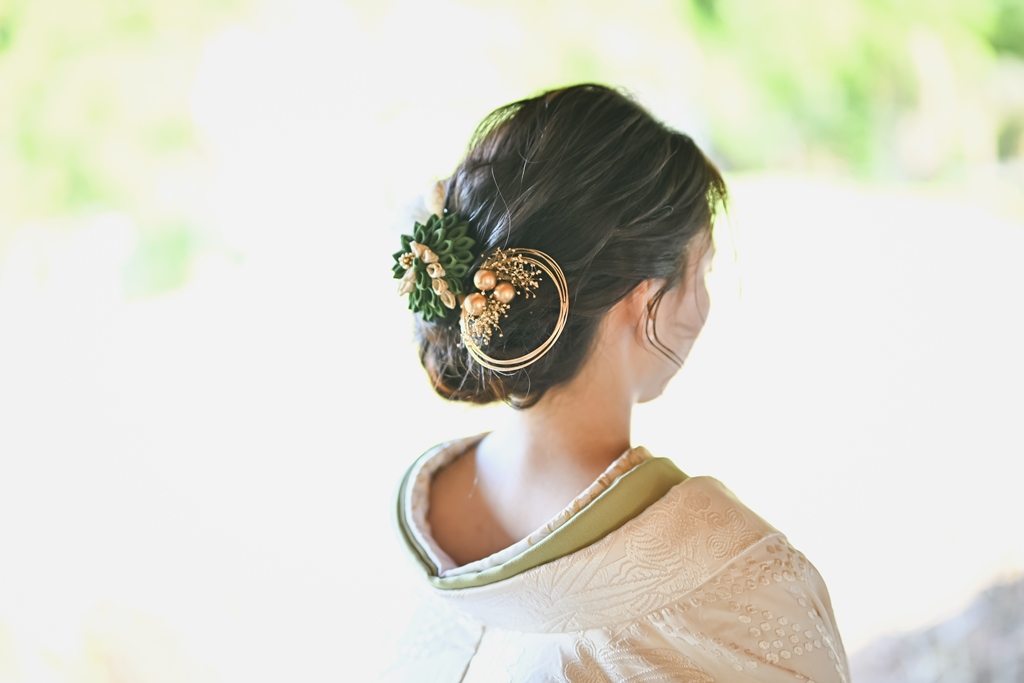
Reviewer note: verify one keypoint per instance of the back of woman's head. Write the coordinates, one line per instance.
(587, 176)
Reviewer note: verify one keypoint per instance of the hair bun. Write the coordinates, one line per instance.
(588, 188)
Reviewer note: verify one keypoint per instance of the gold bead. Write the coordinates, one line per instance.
(485, 280)
(474, 304)
(505, 292)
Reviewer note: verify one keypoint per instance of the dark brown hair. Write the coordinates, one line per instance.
(588, 176)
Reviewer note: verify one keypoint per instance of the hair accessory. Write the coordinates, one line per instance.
(432, 263)
(504, 275)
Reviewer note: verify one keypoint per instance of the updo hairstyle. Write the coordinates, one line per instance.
(589, 177)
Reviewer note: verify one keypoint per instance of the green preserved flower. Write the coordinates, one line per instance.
(433, 263)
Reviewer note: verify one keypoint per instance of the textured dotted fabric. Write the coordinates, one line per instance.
(695, 588)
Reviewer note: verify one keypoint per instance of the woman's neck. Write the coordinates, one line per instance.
(544, 456)
(524, 473)
(576, 427)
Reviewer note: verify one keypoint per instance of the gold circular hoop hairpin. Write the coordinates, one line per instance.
(504, 275)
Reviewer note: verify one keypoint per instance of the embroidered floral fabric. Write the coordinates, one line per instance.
(418, 501)
(696, 588)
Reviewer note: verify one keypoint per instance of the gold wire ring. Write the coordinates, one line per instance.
(553, 271)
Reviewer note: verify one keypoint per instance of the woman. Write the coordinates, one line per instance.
(563, 273)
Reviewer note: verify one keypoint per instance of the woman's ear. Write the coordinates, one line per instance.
(634, 310)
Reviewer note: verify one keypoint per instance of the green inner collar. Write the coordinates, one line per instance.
(626, 498)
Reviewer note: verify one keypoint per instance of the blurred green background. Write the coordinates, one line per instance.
(96, 116)
(202, 361)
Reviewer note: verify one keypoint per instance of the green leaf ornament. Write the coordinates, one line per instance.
(447, 245)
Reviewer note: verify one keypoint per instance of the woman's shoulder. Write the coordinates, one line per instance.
(716, 530)
(703, 504)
